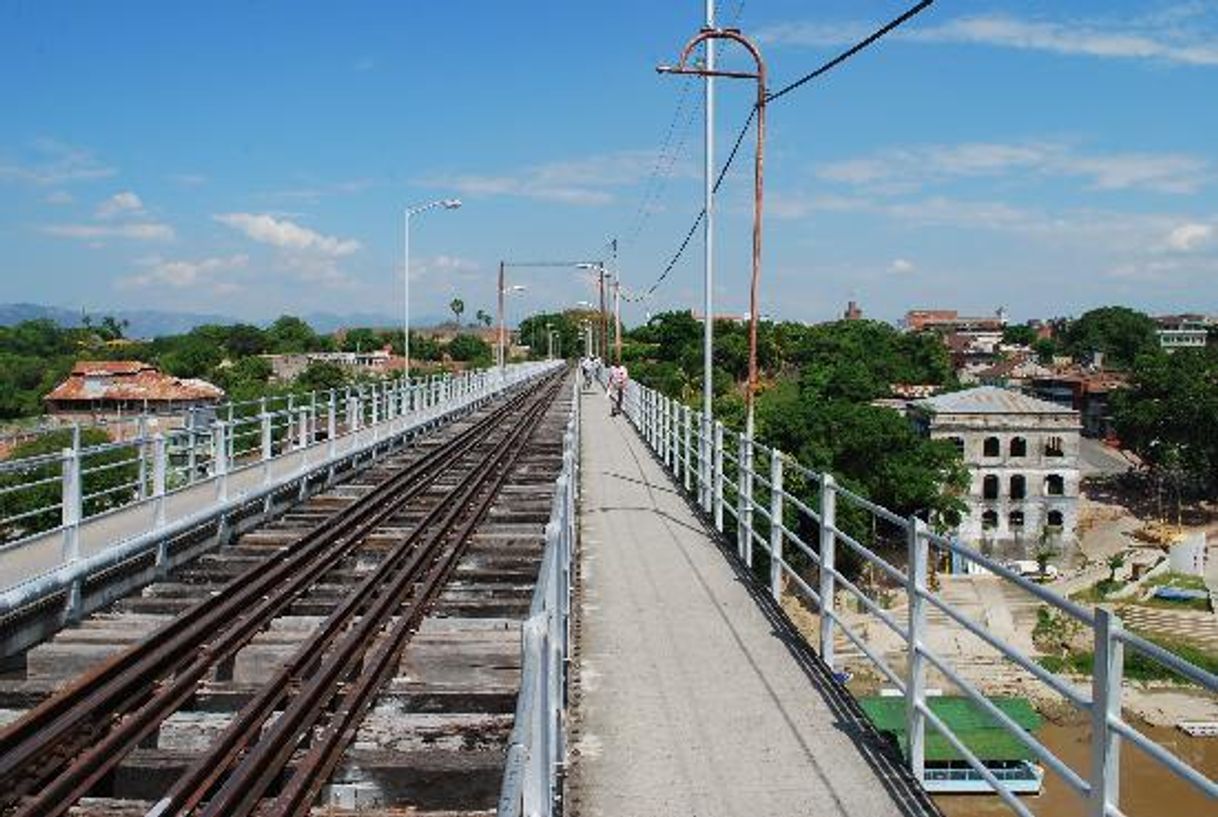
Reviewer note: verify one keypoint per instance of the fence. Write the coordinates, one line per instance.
(799, 529)
(170, 484)
(535, 759)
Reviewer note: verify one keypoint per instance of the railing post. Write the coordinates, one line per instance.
(915, 681)
(160, 466)
(141, 451)
(776, 534)
(220, 463)
(717, 477)
(302, 439)
(1106, 679)
(828, 545)
(744, 511)
(267, 439)
(192, 446)
(688, 464)
(71, 500)
(332, 424)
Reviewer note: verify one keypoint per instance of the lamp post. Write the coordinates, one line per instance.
(503, 291)
(447, 204)
(708, 35)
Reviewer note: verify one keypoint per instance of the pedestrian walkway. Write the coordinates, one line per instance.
(694, 695)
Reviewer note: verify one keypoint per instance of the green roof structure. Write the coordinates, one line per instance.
(973, 726)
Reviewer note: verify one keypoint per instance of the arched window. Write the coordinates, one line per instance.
(1019, 486)
(1019, 447)
(1054, 447)
(989, 487)
(992, 447)
(1015, 519)
(1055, 485)
(1055, 519)
(989, 520)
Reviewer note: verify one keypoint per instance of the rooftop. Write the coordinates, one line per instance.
(989, 400)
(129, 380)
(977, 729)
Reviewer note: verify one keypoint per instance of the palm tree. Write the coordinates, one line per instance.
(483, 317)
(457, 306)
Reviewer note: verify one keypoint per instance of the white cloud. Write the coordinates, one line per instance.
(187, 179)
(55, 163)
(180, 274)
(1190, 236)
(287, 235)
(136, 231)
(1164, 37)
(907, 168)
(901, 265)
(587, 181)
(125, 203)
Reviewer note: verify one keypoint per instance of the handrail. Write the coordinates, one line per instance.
(762, 510)
(98, 526)
(532, 779)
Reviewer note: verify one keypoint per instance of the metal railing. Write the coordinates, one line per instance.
(532, 777)
(798, 529)
(167, 484)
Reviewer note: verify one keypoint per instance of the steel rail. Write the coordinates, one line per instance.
(191, 788)
(127, 681)
(243, 792)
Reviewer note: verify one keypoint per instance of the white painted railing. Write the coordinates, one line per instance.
(807, 525)
(190, 477)
(532, 777)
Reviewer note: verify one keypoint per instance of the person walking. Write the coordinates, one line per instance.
(618, 378)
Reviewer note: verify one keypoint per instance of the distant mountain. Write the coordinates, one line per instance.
(150, 323)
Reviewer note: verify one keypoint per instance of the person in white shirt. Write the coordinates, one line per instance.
(618, 378)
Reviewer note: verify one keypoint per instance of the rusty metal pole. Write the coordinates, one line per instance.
(617, 319)
(758, 198)
(604, 323)
(759, 76)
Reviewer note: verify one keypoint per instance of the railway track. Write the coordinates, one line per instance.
(287, 736)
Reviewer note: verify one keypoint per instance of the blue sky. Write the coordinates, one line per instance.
(254, 158)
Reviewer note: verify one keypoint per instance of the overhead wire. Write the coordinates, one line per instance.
(879, 33)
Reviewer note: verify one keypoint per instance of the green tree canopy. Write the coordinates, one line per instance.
(470, 348)
(1119, 332)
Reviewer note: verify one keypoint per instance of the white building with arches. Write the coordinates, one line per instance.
(1023, 456)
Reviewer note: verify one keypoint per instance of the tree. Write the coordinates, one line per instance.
(1168, 414)
(1121, 333)
(321, 375)
(457, 306)
(1019, 335)
(361, 340)
(483, 317)
(1115, 562)
(245, 379)
(291, 334)
(1046, 350)
(469, 348)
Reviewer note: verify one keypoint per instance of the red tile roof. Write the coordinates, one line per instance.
(129, 380)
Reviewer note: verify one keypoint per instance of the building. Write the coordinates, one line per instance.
(287, 367)
(1023, 456)
(1182, 332)
(853, 312)
(949, 320)
(1087, 392)
(109, 390)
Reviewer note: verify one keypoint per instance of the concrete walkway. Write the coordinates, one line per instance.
(694, 695)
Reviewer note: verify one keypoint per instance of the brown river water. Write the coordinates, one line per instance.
(1147, 790)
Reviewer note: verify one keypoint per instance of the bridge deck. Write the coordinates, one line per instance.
(695, 696)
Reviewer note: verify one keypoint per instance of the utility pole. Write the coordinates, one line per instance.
(617, 317)
(603, 329)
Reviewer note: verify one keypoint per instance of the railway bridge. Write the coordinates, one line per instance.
(483, 594)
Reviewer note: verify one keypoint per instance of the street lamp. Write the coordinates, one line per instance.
(447, 204)
(504, 291)
(599, 267)
(707, 35)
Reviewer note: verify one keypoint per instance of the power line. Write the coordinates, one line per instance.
(856, 48)
(823, 69)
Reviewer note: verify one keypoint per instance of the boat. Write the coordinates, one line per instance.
(1005, 756)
